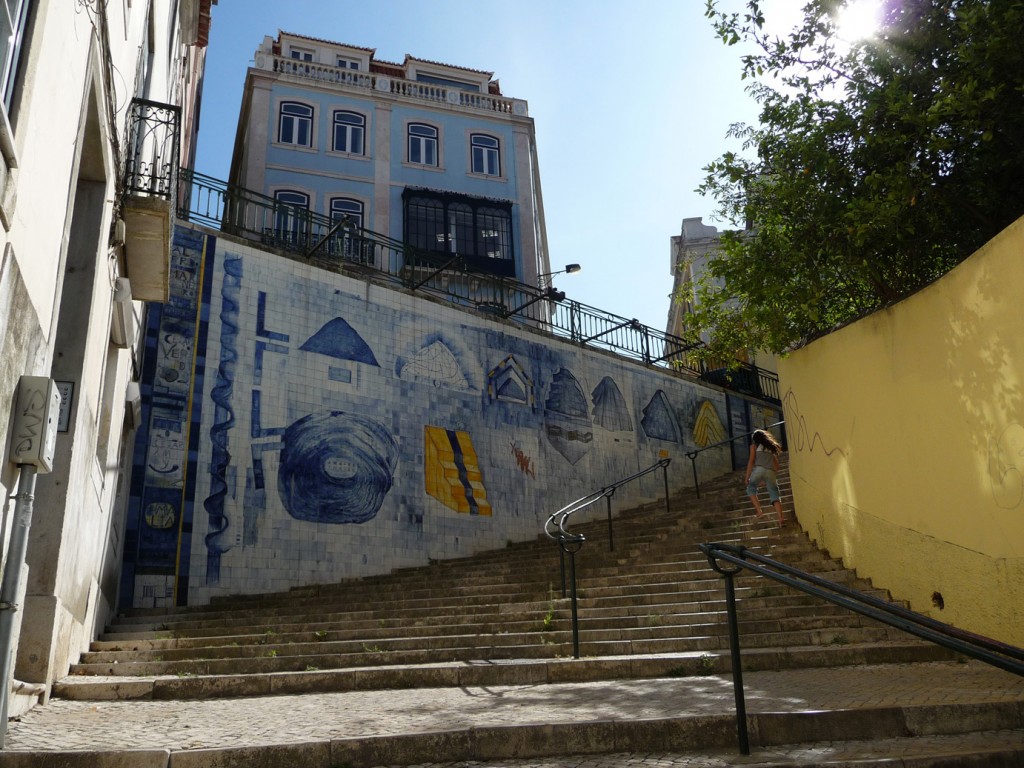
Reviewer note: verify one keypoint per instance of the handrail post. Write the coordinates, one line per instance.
(693, 461)
(575, 612)
(664, 476)
(734, 641)
(561, 565)
(611, 535)
(737, 669)
(571, 545)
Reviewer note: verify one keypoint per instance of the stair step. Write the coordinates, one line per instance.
(474, 660)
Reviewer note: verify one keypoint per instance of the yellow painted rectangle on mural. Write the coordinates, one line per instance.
(451, 471)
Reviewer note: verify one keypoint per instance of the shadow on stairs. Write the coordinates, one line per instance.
(471, 660)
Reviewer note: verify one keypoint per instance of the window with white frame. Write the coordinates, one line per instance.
(342, 207)
(349, 132)
(346, 63)
(291, 218)
(301, 54)
(485, 154)
(296, 124)
(349, 242)
(422, 144)
(13, 14)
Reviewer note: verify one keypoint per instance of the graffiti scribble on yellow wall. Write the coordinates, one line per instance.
(707, 428)
(451, 472)
(1006, 467)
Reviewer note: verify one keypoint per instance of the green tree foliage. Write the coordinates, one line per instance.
(875, 167)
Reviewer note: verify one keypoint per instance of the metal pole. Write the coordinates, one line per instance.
(575, 615)
(11, 584)
(664, 474)
(611, 536)
(737, 669)
(693, 461)
(561, 565)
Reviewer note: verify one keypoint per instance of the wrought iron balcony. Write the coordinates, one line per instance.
(151, 162)
(340, 246)
(149, 195)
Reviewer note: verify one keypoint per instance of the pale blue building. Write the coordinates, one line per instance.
(427, 153)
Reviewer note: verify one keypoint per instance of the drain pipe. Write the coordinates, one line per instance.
(34, 423)
(12, 583)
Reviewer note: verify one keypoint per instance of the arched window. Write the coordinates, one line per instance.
(291, 218)
(346, 206)
(422, 144)
(349, 130)
(485, 155)
(350, 243)
(295, 125)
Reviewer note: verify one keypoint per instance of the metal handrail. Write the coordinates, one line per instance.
(310, 237)
(993, 652)
(557, 520)
(570, 543)
(692, 455)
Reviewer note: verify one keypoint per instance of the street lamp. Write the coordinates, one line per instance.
(547, 291)
(568, 270)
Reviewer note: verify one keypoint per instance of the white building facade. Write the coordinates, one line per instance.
(99, 105)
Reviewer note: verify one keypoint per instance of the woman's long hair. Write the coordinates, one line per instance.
(767, 441)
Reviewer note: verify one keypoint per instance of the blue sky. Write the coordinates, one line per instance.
(630, 100)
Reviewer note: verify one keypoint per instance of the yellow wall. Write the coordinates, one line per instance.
(906, 440)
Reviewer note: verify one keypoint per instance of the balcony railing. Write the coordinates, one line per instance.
(151, 152)
(342, 247)
(411, 89)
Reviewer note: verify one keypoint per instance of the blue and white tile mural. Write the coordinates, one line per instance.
(304, 427)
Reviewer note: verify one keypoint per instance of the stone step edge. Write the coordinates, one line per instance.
(545, 740)
(489, 672)
(765, 632)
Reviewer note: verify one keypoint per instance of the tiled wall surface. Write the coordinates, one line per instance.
(304, 427)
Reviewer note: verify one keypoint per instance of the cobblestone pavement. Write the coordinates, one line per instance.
(185, 725)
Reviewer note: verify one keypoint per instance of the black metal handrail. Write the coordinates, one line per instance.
(570, 543)
(311, 237)
(998, 654)
(692, 455)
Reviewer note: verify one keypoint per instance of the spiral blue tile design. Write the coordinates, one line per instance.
(336, 467)
(223, 419)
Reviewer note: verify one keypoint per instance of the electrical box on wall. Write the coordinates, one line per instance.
(34, 432)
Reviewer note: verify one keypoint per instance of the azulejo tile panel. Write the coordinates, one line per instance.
(323, 428)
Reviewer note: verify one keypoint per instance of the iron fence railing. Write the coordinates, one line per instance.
(340, 245)
(151, 152)
(745, 378)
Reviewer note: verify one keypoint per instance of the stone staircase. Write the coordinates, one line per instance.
(649, 609)
(653, 603)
